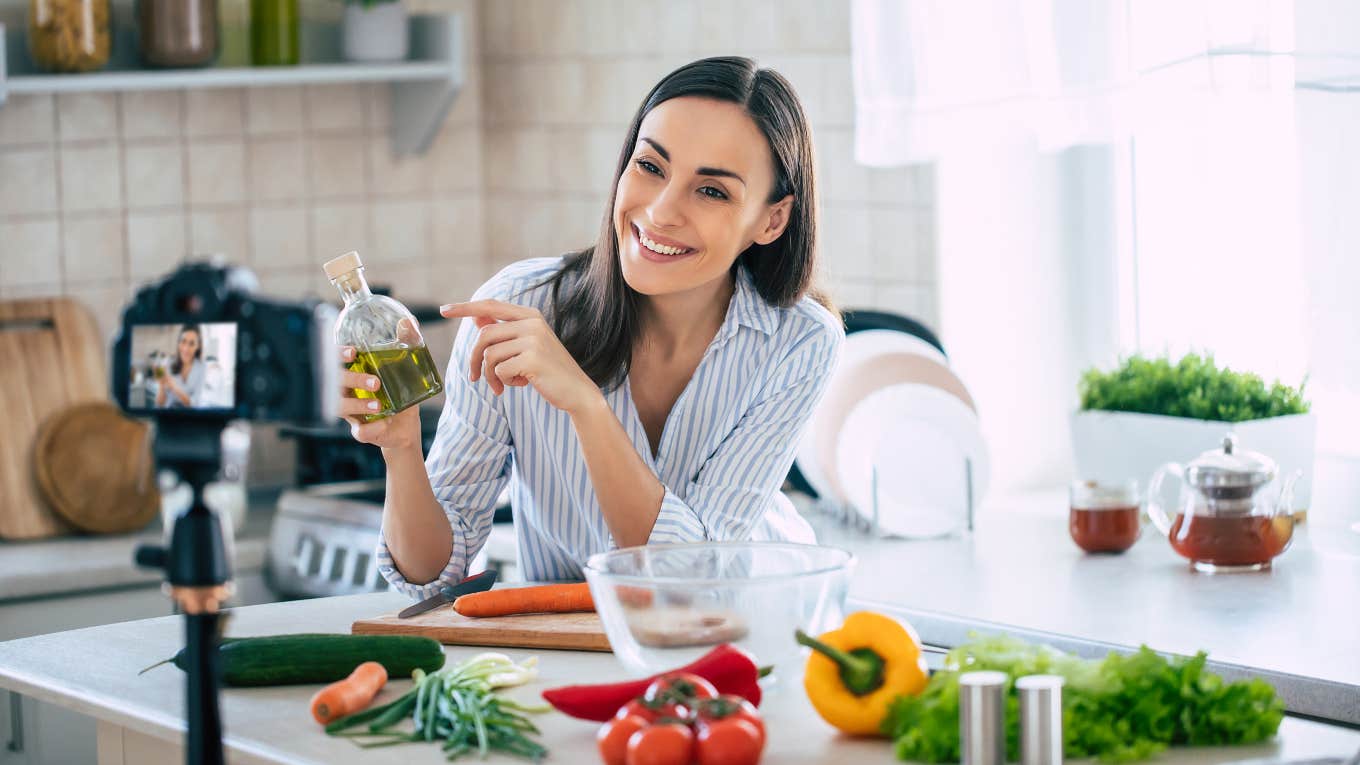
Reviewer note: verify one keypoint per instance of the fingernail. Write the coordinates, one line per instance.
(373, 405)
(372, 383)
(447, 307)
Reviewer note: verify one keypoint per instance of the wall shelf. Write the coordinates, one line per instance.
(423, 87)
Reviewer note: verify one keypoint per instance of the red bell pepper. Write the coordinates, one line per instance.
(729, 668)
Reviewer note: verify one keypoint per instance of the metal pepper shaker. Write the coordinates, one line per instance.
(1041, 731)
(982, 718)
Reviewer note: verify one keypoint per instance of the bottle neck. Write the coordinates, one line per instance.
(352, 286)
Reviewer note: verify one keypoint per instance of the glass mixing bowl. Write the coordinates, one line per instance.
(664, 606)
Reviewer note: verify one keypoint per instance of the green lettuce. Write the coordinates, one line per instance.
(1118, 709)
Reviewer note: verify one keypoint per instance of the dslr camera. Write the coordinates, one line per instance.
(201, 346)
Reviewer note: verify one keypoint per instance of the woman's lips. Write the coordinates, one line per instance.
(654, 256)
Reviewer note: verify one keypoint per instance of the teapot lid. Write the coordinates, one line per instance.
(1229, 466)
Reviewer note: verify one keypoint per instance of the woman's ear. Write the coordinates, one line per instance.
(776, 220)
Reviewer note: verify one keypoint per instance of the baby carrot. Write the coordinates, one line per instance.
(345, 697)
(541, 599)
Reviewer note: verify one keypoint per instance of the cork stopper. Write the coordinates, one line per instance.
(338, 267)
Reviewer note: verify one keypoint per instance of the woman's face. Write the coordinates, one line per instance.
(188, 346)
(694, 196)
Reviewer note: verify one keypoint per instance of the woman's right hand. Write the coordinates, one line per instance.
(399, 431)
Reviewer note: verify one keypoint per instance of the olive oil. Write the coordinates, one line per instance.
(386, 340)
(408, 376)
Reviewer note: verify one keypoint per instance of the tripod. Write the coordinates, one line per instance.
(197, 570)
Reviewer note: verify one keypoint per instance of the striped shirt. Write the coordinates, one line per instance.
(723, 455)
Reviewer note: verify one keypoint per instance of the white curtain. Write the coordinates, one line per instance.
(1174, 227)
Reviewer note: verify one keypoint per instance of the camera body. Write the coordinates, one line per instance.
(201, 346)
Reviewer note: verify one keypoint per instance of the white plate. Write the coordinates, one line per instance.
(918, 440)
(858, 347)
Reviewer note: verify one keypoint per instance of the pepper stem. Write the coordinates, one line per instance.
(861, 669)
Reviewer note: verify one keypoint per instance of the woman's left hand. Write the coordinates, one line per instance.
(516, 347)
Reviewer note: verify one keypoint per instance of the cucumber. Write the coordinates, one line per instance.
(316, 658)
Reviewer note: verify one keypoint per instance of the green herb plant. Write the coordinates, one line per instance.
(1119, 709)
(457, 706)
(1193, 387)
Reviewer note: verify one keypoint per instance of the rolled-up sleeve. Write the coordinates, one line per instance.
(739, 482)
(468, 464)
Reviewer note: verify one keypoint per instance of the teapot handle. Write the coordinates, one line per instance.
(1156, 512)
(1285, 504)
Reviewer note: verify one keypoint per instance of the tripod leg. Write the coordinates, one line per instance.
(205, 720)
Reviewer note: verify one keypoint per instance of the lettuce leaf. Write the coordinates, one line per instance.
(1119, 709)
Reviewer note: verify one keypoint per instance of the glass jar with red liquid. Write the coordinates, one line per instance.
(1104, 517)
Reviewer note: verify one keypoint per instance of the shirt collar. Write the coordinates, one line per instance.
(749, 308)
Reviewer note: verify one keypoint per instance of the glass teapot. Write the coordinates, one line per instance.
(1232, 514)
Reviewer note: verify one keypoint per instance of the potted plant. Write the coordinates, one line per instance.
(1151, 411)
(375, 30)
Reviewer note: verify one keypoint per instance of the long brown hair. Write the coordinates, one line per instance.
(595, 313)
(177, 365)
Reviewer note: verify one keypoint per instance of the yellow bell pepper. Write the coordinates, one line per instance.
(855, 672)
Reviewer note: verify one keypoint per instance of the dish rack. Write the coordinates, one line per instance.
(322, 540)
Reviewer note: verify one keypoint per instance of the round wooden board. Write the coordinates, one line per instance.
(94, 468)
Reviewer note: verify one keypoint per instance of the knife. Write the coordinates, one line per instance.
(450, 592)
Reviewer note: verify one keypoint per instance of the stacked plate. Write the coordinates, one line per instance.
(895, 445)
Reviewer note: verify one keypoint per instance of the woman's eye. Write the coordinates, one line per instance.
(648, 167)
(712, 191)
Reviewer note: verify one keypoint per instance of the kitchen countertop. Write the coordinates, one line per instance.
(51, 567)
(271, 725)
(1295, 624)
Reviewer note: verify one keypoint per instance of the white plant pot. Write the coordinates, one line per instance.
(375, 34)
(1119, 446)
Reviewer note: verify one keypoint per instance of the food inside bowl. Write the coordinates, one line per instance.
(682, 627)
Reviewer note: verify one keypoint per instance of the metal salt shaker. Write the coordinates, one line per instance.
(1041, 732)
(982, 718)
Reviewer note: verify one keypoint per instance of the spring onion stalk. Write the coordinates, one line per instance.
(456, 705)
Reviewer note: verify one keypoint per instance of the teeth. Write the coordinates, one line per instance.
(661, 248)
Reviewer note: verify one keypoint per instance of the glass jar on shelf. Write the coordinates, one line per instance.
(275, 33)
(177, 33)
(69, 35)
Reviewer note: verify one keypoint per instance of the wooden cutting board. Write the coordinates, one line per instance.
(575, 632)
(50, 357)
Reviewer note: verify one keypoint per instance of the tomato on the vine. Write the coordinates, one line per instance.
(612, 738)
(666, 743)
(679, 687)
(729, 741)
(728, 706)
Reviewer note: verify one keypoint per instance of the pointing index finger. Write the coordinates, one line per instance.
(495, 309)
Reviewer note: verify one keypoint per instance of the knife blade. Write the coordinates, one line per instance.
(449, 593)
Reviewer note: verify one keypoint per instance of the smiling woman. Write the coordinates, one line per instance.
(650, 388)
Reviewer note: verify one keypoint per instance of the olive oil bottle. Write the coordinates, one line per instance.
(386, 340)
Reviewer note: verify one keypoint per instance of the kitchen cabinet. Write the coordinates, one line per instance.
(424, 87)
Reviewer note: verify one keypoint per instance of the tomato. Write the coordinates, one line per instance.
(612, 738)
(644, 710)
(729, 741)
(679, 687)
(728, 706)
(664, 744)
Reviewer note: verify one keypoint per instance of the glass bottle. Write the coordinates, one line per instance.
(234, 18)
(275, 33)
(178, 33)
(69, 35)
(386, 340)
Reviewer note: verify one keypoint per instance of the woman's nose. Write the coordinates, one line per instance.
(666, 209)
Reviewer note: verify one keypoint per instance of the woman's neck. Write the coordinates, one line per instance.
(672, 323)
(184, 367)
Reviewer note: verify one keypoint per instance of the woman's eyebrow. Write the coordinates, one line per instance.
(711, 171)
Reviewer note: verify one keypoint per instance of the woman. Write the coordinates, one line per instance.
(651, 388)
(181, 388)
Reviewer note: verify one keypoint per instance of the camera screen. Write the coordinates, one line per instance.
(183, 366)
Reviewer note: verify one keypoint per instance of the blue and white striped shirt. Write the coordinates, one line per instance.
(725, 449)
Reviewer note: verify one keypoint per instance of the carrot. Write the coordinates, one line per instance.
(345, 697)
(544, 598)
